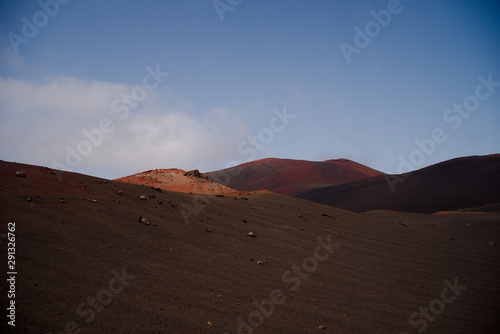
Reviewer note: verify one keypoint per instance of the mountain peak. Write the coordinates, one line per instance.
(290, 177)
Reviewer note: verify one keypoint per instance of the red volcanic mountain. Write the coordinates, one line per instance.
(178, 180)
(456, 184)
(101, 256)
(291, 177)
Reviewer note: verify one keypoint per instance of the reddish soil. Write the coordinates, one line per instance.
(458, 184)
(290, 177)
(177, 180)
(202, 274)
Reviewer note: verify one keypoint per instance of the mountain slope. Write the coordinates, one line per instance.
(86, 262)
(178, 180)
(290, 177)
(451, 185)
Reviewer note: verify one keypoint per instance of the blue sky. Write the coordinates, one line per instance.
(225, 78)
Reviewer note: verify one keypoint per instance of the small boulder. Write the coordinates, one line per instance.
(20, 174)
(143, 220)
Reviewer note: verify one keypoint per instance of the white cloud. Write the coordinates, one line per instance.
(39, 120)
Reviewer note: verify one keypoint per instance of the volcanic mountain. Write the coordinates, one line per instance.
(89, 255)
(290, 177)
(457, 184)
(178, 180)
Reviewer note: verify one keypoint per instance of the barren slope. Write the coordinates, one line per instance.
(290, 177)
(451, 185)
(178, 180)
(203, 275)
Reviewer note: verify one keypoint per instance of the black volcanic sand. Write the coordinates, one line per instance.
(204, 275)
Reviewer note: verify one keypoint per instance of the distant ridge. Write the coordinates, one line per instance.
(291, 177)
(457, 184)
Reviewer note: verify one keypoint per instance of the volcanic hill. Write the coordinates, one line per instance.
(457, 184)
(178, 180)
(290, 177)
(101, 256)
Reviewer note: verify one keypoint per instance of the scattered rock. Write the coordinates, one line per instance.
(142, 197)
(208, 230)
(251, 234)
(20, 174)
(244, 221)
(61, 200)
(219, 195)
(28, 199)
(262, 262)
(492, 243)
(160, 202)
(195, 173)
(322, 328)
(143, 220)
(119, 192)
(93, 200)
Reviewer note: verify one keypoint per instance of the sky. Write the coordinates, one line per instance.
(111, 88)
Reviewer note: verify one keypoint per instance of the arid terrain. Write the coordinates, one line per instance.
(458, 184)
(291, 177)
(102, 256)
(178, 180)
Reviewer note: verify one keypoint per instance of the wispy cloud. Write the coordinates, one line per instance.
(45, 117)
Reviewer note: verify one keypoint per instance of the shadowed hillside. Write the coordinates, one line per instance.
(456, 184)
